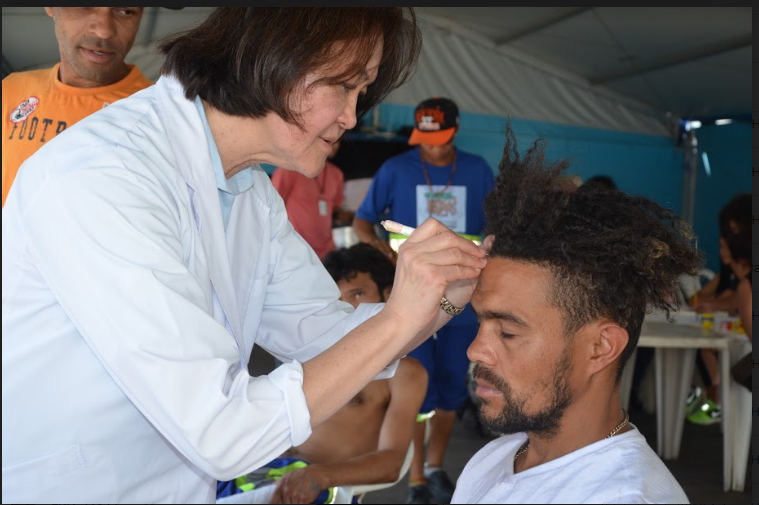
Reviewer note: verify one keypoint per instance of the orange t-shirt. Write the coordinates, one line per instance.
(37, 106)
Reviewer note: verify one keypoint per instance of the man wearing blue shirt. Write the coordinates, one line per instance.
(440, 181)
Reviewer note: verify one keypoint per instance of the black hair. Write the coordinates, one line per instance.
(600, 181)
(727, 280)
(346, 263)
(248, 61)
(612, 255)
(740, 245)
(738, 210)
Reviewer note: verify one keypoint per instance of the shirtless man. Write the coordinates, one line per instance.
(367, 440)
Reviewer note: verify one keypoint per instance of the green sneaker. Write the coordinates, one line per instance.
(708, 413)
(695, 399)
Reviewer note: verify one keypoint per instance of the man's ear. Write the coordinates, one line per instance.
(50, 11)
(608, 342)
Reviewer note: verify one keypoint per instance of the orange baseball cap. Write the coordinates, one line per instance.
(436, 122)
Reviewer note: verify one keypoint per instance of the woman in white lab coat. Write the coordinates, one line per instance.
(145, 252)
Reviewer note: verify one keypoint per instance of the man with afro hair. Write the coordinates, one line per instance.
(561, 304)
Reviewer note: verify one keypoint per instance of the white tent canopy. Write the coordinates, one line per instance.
(633, 69)
(486, 78)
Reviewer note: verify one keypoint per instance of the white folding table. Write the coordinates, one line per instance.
(676, 346)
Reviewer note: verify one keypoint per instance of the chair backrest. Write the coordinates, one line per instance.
(345, 494)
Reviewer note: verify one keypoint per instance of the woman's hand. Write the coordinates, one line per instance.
(431, 262)
(460, 292)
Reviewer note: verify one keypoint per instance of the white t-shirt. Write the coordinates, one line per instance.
(621, 469)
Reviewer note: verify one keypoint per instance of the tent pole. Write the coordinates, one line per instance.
(689, 177)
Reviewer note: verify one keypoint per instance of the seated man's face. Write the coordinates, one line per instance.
(524, 363)
(360, 289)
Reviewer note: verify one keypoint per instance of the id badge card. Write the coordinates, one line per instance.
(322, 207)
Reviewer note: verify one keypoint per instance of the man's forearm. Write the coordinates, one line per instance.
(440, 321)
(364, 229)
(374, 468)
(331, 378)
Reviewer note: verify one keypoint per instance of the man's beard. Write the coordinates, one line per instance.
(513, 418)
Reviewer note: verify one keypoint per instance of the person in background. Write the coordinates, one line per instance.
(314, 204)
(740, 253)
(740, 250)
(719, 294)
(561, 304)
(434, 180)
(145, 253)
(366, 441)
(40, 104)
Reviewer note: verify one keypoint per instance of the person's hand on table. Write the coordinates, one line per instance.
(433, 262)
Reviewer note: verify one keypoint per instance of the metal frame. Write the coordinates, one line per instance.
(541, 26)
(678, 59)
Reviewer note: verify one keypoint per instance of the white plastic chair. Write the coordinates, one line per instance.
(345, 494)
(257, 495)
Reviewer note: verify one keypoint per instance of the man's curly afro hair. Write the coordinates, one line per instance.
(612, 255)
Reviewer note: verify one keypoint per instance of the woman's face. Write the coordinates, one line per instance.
(326, 111)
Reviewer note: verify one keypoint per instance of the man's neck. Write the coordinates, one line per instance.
(585, 422)
(439, 161)
(69, 77)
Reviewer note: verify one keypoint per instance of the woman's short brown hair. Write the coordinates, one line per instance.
(247, 61)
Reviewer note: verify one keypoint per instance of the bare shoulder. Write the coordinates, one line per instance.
(410, 372)
(744, 288)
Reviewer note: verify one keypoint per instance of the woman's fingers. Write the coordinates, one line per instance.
(452, 256)
(438, 237)
(487, 244)
(432, 261)
(422, 277)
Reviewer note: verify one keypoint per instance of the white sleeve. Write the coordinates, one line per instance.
(302, 314)
(110, 247)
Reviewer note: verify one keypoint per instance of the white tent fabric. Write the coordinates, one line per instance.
(487, 79)
(483, 78)
(629, 69)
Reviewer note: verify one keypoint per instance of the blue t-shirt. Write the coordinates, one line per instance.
(400, 188)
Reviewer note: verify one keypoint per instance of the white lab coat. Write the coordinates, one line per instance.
(129, 314)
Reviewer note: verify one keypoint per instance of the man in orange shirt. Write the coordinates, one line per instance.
(40, 104)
